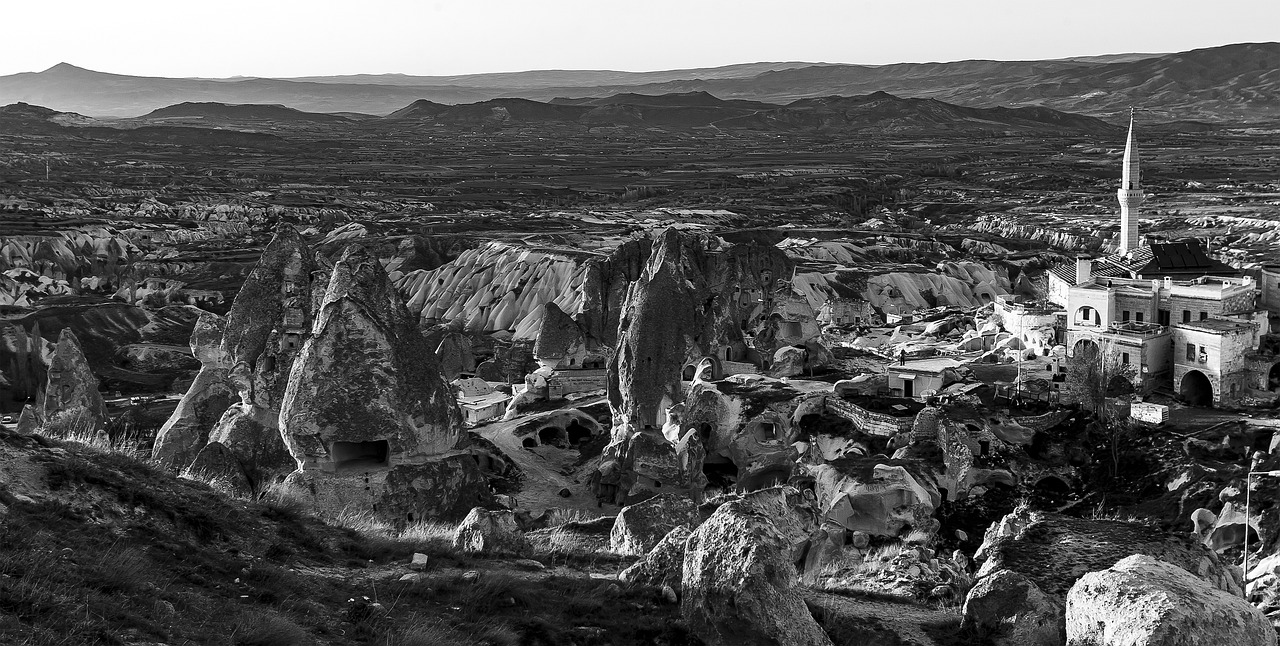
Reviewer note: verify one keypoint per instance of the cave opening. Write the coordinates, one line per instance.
(360, 455)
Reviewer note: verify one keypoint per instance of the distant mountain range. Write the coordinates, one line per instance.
(1232, 83)
(877, 113)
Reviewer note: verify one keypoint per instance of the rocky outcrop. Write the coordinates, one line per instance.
(24, 367)
(366, 415)
(1054, 551)
(862, 494)
(641, 526)
(366, 375)
(1050, 552)
(739, 584)
(1013, 611)
(210, 394)
(250, 355)
(663, 565)
(1142, 601)
(490, 532)
(72, 386)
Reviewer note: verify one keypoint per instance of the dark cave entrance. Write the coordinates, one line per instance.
(577, 433)
(1196, 389)
(359, 455)
(721, 474)
(1273, 378)
(552, 436)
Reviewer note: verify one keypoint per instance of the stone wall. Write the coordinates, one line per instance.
(870, 422)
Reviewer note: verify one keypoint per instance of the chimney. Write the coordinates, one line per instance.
(1084, 269)
(1168, 282)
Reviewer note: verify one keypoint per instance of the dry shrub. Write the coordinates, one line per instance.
(267, 629)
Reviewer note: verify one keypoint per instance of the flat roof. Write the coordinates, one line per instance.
(1217, 325)
(931, 365)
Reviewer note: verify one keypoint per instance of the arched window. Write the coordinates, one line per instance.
(1088, 316)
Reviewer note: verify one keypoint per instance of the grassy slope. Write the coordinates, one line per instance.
(98, 548)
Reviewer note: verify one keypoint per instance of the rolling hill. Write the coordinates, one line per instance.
(1231, 83)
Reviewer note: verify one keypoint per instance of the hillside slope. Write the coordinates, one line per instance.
(99, 548)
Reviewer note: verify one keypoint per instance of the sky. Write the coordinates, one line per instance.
(284, 38)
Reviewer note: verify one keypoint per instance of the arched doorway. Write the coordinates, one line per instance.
(1120, 386)
(688, 373)
(1196, 389)
(1085, 350)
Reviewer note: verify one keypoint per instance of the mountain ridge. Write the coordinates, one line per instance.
(1237, 82)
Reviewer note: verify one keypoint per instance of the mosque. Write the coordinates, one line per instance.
(1189, 324)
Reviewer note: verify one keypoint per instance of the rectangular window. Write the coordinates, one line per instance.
(1124, 358)
(1204, 315)
(1124, 316)
(1162, 317)
(1139, 316)
(1191, 352)
(1186, 316)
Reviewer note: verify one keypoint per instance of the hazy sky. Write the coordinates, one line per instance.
(312, 37)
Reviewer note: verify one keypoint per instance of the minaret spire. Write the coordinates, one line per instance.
(1130, 193)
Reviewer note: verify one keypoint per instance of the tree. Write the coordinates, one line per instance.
(1096, 375)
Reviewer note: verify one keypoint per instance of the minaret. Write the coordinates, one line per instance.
(1129, 194)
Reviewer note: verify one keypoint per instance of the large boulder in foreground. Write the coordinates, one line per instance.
(1054, 551)
(1051, 552)
(490, 532)
(740, 582)
(641, 526)
(663, 565)
(1141, 601)
(1013, 611)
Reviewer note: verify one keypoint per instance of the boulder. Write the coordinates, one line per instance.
(663, 565)
(28, 423)
(1053, 551)
(1142, 601)
(1010, 608)
(641, 526)
(740, 581)
(490, 532)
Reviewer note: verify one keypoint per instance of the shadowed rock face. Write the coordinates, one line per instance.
(71, 383)
(249, 355)
(366, 376)
(187, 429)
(690, 301)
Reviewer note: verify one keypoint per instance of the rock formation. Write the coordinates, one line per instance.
(366, 412)
(739, 585)
(72, 387)
(187, 429)
(1052, 552)
(1142, 601)
(252, 356)
(663, 565)
(490, 532)
(640, 527)
(1014, 611)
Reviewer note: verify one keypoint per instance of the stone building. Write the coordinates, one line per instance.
(1210, 359)
(848, 312)
(1037, 324)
